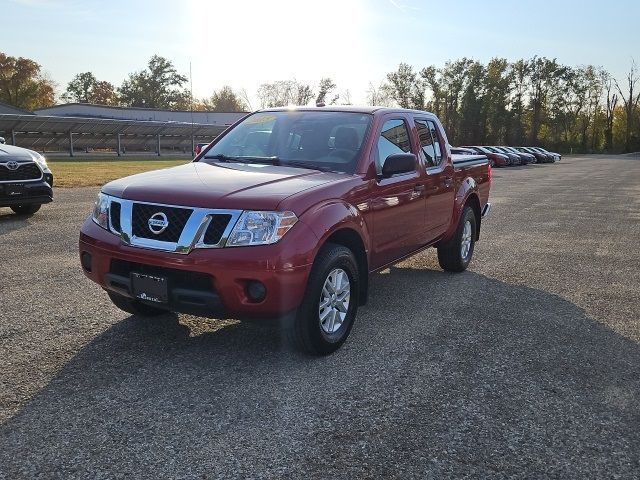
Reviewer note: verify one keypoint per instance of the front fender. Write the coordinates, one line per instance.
(350, 228)
(327, 217)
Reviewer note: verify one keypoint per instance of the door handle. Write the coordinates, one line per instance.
(418, 188)
(448, 181)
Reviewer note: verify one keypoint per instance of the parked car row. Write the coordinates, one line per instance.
(503, 156)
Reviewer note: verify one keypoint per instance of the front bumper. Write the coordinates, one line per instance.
(207, 282)
(33, 192)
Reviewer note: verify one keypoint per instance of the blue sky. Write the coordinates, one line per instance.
(247, 42)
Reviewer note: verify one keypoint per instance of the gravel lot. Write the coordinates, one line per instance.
(527, 365)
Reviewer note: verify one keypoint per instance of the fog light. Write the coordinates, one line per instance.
(85, 260)
(256, 291)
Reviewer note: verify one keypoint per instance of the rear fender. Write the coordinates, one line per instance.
(468, 191)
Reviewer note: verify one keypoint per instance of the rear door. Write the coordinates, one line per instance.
(439, 177)
(397, 202)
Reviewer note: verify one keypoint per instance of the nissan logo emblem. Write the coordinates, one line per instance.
(158, 223)
(12, 165)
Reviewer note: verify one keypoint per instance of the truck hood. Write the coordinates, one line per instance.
(232, 185)
(8, 152)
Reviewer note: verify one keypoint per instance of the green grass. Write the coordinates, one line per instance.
(95, 172)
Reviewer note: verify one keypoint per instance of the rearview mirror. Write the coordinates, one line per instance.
(398, 163)
(1, 139)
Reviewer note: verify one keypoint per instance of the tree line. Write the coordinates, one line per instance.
(535, 101)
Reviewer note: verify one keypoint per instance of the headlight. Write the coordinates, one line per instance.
(260, 228)
(100, 213)
(40, 160)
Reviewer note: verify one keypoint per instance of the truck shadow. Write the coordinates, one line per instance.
(444, 375)
(9, 221)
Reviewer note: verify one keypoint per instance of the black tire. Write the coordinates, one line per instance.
(450, 253)
(26, 209)
(307, 332)
(134, 307)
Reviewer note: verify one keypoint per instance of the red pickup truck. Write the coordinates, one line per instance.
(285, 215)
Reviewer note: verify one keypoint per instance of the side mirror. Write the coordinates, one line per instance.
(2, 140)
(398, 163)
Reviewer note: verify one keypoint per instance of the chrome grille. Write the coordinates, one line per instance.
(114, 214)
(176, 216)
(216, 228)
(188, 227)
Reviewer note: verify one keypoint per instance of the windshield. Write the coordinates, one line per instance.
(322, 140)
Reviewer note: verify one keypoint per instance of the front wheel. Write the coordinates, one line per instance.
(455, 255)
(328, 310)
(26, 209)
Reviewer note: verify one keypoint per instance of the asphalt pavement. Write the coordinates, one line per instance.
(525, 366)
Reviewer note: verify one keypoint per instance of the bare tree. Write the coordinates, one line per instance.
(346, 97)
(379, 95)
(612, 103)
(630, 102)
(244, 96)
(284, 92)
(276, 94)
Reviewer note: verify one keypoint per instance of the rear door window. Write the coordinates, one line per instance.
(427, 144)
(436, 142)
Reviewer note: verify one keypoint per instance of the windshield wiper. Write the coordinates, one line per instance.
(273, 160)
(310, 166)
(220, 156)
(268, 160)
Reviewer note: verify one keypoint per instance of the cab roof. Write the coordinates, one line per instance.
(346, 108)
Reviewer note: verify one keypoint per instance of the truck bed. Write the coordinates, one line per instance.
(461, 161)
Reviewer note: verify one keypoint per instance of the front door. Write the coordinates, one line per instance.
(398, 202)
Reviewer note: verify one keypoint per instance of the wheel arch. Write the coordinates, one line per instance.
(474, 202)
(351, 239)
(337, 221)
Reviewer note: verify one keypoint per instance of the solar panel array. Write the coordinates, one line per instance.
(49, 133)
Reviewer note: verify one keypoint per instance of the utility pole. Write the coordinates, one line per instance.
(193, 146)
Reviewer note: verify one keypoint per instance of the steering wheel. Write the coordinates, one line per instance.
(343, 153)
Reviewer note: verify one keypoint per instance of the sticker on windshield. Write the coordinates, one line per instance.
(255, 119)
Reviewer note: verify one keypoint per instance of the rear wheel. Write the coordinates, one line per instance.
(455, 255)
(328, 310)
(135, 307)
(26, 209)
